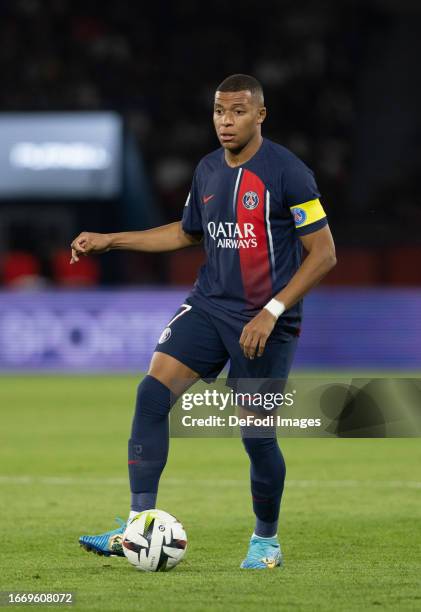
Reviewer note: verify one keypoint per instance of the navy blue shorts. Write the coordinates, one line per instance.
(205, 344)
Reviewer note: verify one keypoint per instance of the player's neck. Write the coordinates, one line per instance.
(247, 152)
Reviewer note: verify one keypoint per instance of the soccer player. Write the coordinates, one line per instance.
(254, 204)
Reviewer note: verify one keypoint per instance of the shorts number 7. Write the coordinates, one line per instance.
(186, 308)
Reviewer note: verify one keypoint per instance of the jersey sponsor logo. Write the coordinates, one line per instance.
(300, 216)
(166, 334)
(250, 200)
(230, 235)
(207, 198)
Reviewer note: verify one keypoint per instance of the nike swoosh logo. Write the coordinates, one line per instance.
(207, 198)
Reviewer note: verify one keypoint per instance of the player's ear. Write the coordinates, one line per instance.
(261, 116)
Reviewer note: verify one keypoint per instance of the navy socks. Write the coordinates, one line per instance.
(267, 475)
(148, 452)
(148, 445)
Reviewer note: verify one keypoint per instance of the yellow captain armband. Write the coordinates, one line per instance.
(307, 213)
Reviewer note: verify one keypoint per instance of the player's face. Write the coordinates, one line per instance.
(237, 117)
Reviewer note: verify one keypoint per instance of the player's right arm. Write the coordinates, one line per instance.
(157, 240)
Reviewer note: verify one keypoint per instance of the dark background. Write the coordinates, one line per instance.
(342, 87)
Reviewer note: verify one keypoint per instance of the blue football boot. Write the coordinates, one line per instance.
(108, 544)
(263, 553)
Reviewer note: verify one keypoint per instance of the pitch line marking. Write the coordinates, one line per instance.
(294, 484)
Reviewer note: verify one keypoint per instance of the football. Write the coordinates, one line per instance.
(154, 541)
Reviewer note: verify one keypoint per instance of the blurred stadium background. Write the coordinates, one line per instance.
(106, 109)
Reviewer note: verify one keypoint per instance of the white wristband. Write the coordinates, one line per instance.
(275, 307)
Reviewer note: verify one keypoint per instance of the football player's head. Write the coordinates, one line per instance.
(239, 111)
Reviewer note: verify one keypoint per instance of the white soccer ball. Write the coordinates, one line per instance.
(154, 541)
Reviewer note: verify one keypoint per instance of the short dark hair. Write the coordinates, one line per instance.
(242, 82)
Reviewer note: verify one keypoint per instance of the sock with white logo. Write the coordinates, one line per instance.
(267, 475)
(148, 444)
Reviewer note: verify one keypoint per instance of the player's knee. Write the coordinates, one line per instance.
(266, 458)
(172, 373)
(153, 399)
(258, 446)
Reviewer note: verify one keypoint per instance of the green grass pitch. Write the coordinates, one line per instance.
(350, 523)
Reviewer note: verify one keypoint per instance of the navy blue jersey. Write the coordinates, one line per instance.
(251, 218)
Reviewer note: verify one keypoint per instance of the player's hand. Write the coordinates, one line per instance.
(89, 242)
(255, 334)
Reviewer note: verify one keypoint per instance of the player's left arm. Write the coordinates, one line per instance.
(320, 259)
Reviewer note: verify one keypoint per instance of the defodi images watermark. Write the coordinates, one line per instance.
(342, 407)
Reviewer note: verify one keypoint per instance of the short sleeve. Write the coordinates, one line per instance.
(192, 218)
(301, 195)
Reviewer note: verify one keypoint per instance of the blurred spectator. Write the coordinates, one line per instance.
(85, 274)
(22, 271)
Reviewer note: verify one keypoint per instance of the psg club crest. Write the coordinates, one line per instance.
(250, 200)
(299, 216)
(166, 334)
